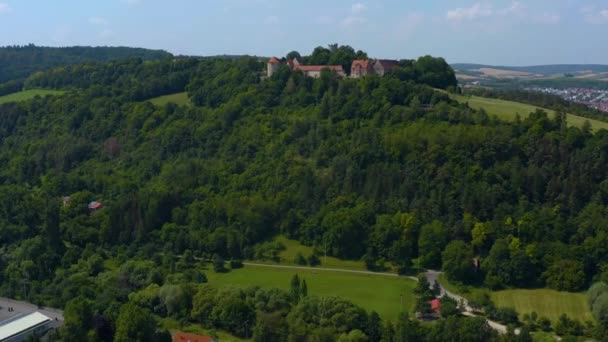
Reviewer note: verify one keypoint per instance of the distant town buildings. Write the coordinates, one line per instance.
(359, 68)
(594, 98)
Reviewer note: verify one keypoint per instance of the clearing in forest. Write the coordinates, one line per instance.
(387, 295)
(28, 94)
(546, 302)
(508, 110)
(179, 99)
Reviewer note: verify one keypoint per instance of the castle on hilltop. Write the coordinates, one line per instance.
(359, 68)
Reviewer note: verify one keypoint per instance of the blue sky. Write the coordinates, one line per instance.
(508, 32)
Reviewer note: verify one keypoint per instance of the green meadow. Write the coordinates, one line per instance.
(179, 99)
(508, 110)
(28, 94)
(387, 295)
(545, 302)
(292, 248)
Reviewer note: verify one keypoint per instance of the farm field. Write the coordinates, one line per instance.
(373, 292)
(546, 302)
(507, 110)
(28, 94)
(179, 99)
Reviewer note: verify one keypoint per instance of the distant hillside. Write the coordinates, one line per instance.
(18, 62)
(539, 70)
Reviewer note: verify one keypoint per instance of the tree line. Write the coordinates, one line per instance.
(382, 169)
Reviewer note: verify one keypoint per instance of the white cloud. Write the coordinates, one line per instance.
(516, 8)
(4, 8)
(474, 12)
(356, 18)
(358, 8)
(97, 21)
(550, 18)
(594, 16)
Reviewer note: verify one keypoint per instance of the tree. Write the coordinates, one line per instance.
(458, 262)
(78, 317)
(303, 289)
(431, 243)
(136, 324)
(566, 275)
(449, 307)
(219, 264)
(374, 327)
(299, 259)
(294, 55)
(313, 260)
(294, 289)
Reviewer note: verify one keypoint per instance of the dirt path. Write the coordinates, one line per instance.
(388, 274)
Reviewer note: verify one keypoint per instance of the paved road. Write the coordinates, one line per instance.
(24, 308)
(433, 276)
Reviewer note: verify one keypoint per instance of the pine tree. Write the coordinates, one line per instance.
(303, 289)
(295, 288)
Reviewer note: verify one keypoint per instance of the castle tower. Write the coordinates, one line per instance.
(273, 66)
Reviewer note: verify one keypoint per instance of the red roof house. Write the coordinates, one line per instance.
(184, 337)
(274, 60)
(436, 305)
(93, 206)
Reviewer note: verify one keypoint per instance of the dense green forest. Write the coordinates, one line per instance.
(19, 62)
(384, 169)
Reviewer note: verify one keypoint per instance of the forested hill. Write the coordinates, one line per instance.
(384, 169)
(19, 62)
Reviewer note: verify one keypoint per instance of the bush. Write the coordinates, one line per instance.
(544, 324)
(504, 315)
(299, 259)
(566, 326)
(234, 264)
(313, 260)
(218, 264)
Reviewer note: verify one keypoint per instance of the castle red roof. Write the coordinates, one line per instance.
(274, 60)
(364, 63)
(183, 337)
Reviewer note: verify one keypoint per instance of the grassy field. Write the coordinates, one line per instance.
(292, 248)
(28, 94)
(179, 99)
(372, 292)
(546, 302)
(507, 110)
